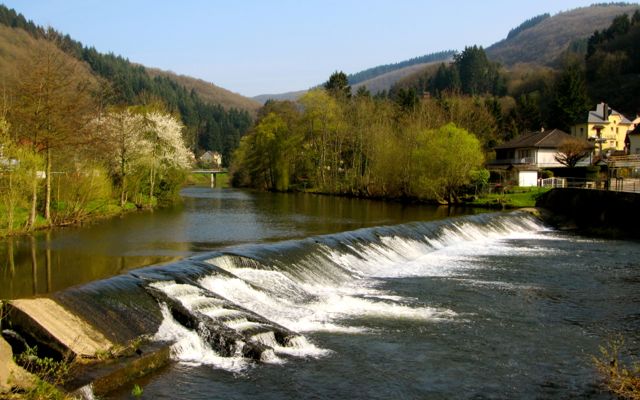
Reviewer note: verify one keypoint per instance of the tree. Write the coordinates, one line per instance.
(338, 85)
(18, 176)
(121, 136)
(477, 74)
(569, 102)
(167, 150)
(572, 150)
(447, 158)
(53, 106)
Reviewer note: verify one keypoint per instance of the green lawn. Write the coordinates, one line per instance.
(515, 197)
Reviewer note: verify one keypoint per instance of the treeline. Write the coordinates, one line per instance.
(383, 69)
(530, 23)
(612, 64)
(332, 142)
(207, 126)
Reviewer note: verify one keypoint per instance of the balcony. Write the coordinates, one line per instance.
(514, 161)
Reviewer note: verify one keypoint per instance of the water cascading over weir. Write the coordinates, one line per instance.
(247, 304)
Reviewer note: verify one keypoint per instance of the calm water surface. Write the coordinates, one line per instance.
(207, 219)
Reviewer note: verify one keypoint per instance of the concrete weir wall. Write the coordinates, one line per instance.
(603, 212)
(62, 333)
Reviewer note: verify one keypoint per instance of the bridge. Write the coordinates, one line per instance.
(212, 172)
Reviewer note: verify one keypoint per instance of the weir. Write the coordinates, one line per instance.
(247, 304)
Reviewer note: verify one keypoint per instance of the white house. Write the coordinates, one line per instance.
(520, 159)
(212, 158)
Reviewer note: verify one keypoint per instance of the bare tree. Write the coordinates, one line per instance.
(572, 150)
(53, 104)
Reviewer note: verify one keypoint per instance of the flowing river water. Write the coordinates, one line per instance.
(378, 300)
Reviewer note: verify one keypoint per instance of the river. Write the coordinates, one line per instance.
(381, 300)
(206, 219)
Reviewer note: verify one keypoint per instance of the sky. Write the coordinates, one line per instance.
(257, 47)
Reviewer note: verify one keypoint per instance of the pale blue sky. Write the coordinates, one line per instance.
(254, 47)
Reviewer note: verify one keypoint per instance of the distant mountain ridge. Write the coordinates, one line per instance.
(539, 40)
(544, 41)
(376, 79)
(374, 72)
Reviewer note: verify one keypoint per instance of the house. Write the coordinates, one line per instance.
(520, 159)
(633, 141)
(211, 158)
(605, 127)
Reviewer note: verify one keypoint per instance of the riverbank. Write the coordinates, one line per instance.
(93, 213)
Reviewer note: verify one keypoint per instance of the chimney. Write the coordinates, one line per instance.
(605, 112)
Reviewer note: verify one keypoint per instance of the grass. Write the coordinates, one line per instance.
(516, 197)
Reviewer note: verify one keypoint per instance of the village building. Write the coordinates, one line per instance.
(605, 127)
(520, 160)
(211, 159)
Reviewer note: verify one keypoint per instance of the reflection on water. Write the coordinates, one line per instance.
(208, 219)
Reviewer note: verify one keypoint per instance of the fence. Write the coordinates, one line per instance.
(614, 184)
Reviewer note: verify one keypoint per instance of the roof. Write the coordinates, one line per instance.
(544, 139)
(596, 116)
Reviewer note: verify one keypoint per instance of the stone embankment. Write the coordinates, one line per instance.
(98, 363)
(598, 212)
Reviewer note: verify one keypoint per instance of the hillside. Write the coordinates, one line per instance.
(263, 98)
(376, 79)
(18, 48)
(387, 81)
(209, 92)
(545, 42)
(209, 115)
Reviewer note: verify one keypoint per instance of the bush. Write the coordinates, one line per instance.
(622, 377)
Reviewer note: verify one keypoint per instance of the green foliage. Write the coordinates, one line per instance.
(338, 85)
(137, 391)
(613, 63)
(446, 159)
(364, 146)
(471, 73)
(570, 102)
(50, 374)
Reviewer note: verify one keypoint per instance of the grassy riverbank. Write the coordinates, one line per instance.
(516, 197)
(94, 211)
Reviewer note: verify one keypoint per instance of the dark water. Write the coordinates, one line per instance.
(487, 307)
(207, 219)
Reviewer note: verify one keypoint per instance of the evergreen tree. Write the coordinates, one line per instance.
(338, 85)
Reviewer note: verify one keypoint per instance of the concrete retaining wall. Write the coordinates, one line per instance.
(603, 212)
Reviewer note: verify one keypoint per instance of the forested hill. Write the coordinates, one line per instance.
(209, 92)
(209, 126)
(543, 39)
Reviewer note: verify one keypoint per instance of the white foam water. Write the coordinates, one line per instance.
(84, 393)
(298, 346)
(189, 348)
